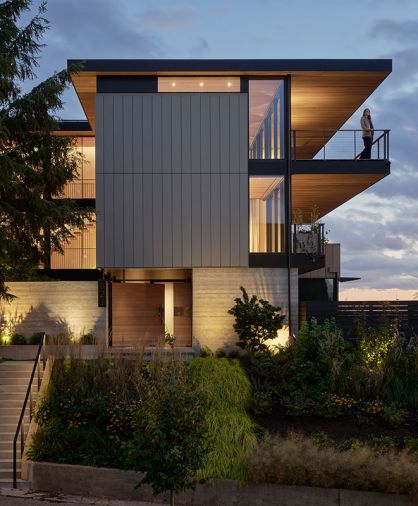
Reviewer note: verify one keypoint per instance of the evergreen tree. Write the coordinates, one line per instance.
(35, 165)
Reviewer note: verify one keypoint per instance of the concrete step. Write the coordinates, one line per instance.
(8, 473)
(16, 380)
(18, 371)
(13, 419)
(21, 484)
(7, 464)
(5, 389)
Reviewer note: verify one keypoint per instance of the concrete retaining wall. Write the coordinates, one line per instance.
(214, 291)
(116, 484)
(54, 307)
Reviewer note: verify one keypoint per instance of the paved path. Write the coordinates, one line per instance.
(25, 498)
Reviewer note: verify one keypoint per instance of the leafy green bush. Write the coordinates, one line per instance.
(17, 339)
(36, 338)
(231, 432)
(88, 338)
(381, 443)
(394, 415)
(170, 437)
(256, 322)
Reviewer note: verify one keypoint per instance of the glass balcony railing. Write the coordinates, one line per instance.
(338, 145)
(309, 239)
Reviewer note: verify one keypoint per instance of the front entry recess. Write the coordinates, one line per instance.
(137, 315)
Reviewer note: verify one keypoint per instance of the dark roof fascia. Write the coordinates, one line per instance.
(74, 126)
(309, 65)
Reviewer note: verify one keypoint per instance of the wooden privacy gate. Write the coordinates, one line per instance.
(139, 314)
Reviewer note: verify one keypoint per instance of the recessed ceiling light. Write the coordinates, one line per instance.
(201, 84)
(173, 84)
(229, 83)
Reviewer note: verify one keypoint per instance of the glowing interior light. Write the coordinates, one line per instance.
(229, 83)
(173, 84)
(201, 84)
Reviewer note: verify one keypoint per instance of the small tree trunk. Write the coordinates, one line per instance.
(171, 498)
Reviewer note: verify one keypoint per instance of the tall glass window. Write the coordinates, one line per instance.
(267, 214)
(79, 251)
(266, 118)
(84, 185)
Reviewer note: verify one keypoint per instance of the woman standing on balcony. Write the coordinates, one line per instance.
(366, 124)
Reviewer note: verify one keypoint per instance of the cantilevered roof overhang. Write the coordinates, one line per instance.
(324, 93)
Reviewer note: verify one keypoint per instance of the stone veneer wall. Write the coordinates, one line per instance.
(214, 291)
(54, 307)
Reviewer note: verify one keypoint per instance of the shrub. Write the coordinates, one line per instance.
(299, 461)
(36, 338)
(169, 443)
(17, 339)
(88, 338)
(381, 443)
(411, 443)
(394, 415)
(256, 322)
(231, 432)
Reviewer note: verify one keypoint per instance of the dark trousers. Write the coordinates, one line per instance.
(367, 151)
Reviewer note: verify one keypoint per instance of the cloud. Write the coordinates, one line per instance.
(399, 31)
(167, 19)
(200, 48)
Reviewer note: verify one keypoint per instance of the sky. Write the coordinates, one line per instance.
(378, 229)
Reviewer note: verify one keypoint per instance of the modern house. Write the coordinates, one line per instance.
(205, 175)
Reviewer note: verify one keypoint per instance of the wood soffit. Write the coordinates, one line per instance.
(320, 99)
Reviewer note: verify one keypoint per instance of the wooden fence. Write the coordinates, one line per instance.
(401, 313)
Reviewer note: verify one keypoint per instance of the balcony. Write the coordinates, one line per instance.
(327, 170)
(80, 189)
(337, 145)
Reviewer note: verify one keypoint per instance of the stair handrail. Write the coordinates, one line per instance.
(20, 430)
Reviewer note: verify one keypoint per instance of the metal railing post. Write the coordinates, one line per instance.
(20, 429)
(355, 143)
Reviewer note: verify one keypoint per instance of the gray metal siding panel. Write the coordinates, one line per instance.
(167, 221)
(243, 133)
(225, 221)
(138, 220)
(157, 219)
(185, 134)
(205, 134)
(137, 126)
(147, 133)
(234, 146)
(224, 134)
(128, 144)
(119, 223)
(166, 138)
(181, 194)
(128, 225)
(215, 219)
(195, 133)
(176, 134)
(244, 225)
(100, 223)
(177, 222)
(235, 219)
(206, 221)
(186, 218)
(215, 134)
(147, 195)
(196, 221)
(118, 144)
(109, 221)
(108, 128)
(156, 134)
